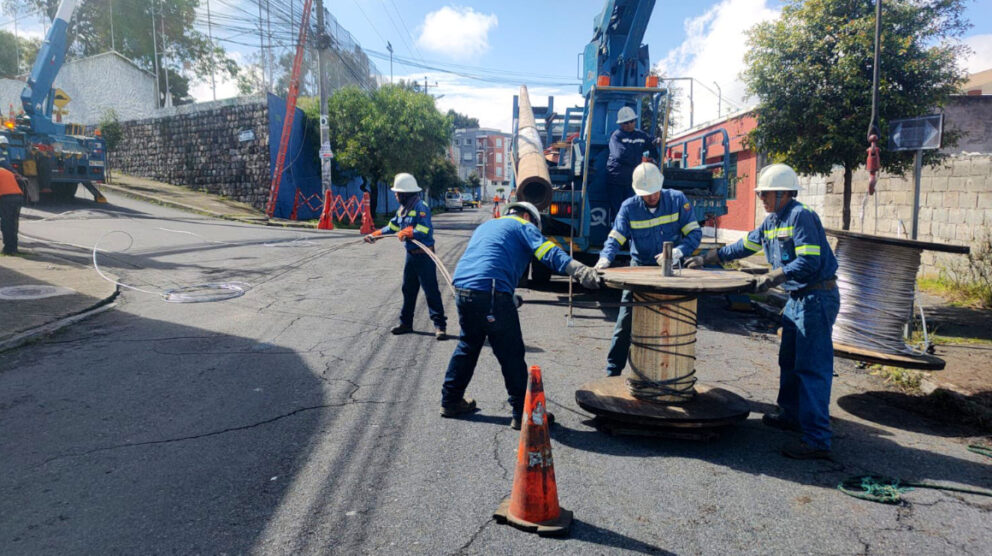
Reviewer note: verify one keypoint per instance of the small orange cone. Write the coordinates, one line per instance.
(495, 211)
(533, 504)
(325, 222)
(368, 223)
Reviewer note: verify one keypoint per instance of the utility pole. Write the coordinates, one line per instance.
(719, 99)
(692, 105)
(389, 47)
(261, 46)
(168, 97)
(323, 42)
(17, 48)
(113, 45)
(210, 37)
(158, 90)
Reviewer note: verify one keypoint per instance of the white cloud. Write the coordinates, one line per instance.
(456, 32)
(980, 59)
(713, 51)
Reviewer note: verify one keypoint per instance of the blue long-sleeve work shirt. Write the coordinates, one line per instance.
(792, 239)
(648, 231)
(419, 217)
(500, 250)
(626, 151)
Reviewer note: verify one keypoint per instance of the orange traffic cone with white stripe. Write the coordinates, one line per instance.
(368, 222)
(533, 504)
(325, 222)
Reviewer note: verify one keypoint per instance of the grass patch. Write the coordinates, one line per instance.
(958, 294)
(907, 380)
(937, 339)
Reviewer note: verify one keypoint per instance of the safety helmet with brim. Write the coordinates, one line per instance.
(647, 179)
(535, 216)
(777, 177)
(405, 183)
(626, 114)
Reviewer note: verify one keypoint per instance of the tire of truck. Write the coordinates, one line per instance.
(64, 192)
(540, 275)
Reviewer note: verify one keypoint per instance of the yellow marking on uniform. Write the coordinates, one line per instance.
(543, 249)
(618, 236)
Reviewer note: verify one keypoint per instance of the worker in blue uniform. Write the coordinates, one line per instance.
(627, 146)
(413, 221)
(487, 274)
(647, 220)
(795, 244)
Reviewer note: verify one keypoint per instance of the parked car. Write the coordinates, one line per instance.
(453, 200)
(468, 201)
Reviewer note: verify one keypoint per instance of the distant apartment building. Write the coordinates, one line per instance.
(485, 153)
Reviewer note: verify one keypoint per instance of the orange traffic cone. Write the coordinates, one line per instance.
(368, 223)
(326, 222)
(495, 211)
(533, 504)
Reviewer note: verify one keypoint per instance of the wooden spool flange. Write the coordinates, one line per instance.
(663, 334)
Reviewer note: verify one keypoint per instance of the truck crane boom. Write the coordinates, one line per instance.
(37, 96)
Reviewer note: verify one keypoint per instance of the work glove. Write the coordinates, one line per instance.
(584, 274)
(405, 233)
(371, 238)
(708, 258)
(770, 280)
(602, 263)
(676, 257)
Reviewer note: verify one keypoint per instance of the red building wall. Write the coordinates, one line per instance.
(741, 206)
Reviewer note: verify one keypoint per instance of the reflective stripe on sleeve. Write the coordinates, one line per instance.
(808, 250)
(665, 219)
(783, 231)
(618, 236)
(422, 229)
(690, 227)
(393, 226)
(543, 249)
(751, 246)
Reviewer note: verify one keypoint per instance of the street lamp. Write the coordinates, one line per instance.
(719, 99)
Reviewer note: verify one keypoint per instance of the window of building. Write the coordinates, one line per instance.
(499, 158)
(732, 178)
(467, 156)
(499, 143)
(499, 171)
(468, 142)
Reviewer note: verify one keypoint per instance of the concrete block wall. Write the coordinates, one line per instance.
(203, 146)
(955, 206)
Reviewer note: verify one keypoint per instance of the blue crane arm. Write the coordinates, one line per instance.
(37, 94)
(616, 49)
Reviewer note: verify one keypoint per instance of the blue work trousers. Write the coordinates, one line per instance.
(806, 360)
(420, 272)
(503, 331)
(616, 359)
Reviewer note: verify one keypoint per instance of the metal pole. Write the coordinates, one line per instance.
(113, 45)
(917, 166)
(268, 53)
(210, 37)
(325, 132)
(158, 90)
(389, 47)
(17, 48)
(719, 99)
(692, 104)
(261, 44)
(168, 97)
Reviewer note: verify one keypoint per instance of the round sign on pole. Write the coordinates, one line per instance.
(323, 121)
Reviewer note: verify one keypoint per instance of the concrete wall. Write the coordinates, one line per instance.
(955, 205)
(204, 147)
(971, 115)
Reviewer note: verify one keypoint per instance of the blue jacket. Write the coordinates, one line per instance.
(626, 151)
(500, 250)
(793, 239)
(419, 218)
(648, 231)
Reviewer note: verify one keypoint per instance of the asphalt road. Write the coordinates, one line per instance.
(290, 421)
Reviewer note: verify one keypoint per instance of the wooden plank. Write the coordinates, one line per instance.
(686, 281)
(962, 249)
(922, 362)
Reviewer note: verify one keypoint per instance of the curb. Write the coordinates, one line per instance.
(50, 328)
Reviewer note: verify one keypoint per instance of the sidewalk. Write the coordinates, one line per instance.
(40, 294)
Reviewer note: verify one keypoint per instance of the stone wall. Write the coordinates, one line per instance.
(220, 147)
(972, 116)
(955, 206)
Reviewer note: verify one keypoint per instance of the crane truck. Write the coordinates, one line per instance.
(575, 205)
(54, 157)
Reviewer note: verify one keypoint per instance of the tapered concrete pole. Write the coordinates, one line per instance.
(533, 179)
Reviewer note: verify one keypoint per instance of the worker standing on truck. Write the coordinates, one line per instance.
(487, 274)
(11, 199)
(413, 221)
(627, 146)
(795, 244)
(647, 220)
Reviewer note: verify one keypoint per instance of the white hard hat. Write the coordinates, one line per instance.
(777, 177)
(626, 114)
(405, 183)
(647, 179)
(535, 215)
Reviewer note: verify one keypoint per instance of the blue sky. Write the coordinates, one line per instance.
(538, 42)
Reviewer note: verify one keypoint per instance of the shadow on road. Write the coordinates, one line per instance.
(592, 534)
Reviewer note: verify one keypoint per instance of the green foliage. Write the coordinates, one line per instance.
(811, 70)
(381, 133)
(968, 284)
(473, 180)
(110, 129)
(12, 48)
(440, 176)
(461, 121)
(190, 53)
(905, 379)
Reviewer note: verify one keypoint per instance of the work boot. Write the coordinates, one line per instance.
(801, 450)
(440, 334)
(516, 422)
(465, 405)
(776, 421)
(402, 329)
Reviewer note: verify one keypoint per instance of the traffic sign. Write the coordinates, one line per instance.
(914, 134)
(61, 98)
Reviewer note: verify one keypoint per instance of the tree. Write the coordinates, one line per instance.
(461, 121)
(380, 133)
(812, 72)
(187, 52)
(16, 49)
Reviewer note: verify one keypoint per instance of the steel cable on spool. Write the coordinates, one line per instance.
(645, 388)
(877, 285)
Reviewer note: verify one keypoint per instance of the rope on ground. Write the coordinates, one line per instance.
(982, 450)
(888, 490)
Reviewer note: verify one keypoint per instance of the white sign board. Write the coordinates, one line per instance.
(916, 134)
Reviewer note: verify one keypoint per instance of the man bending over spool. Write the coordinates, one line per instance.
(802, 261)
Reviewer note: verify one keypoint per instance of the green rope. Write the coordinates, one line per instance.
(887, 490)
(983, 450)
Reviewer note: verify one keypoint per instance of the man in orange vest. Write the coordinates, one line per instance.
(11, 199)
